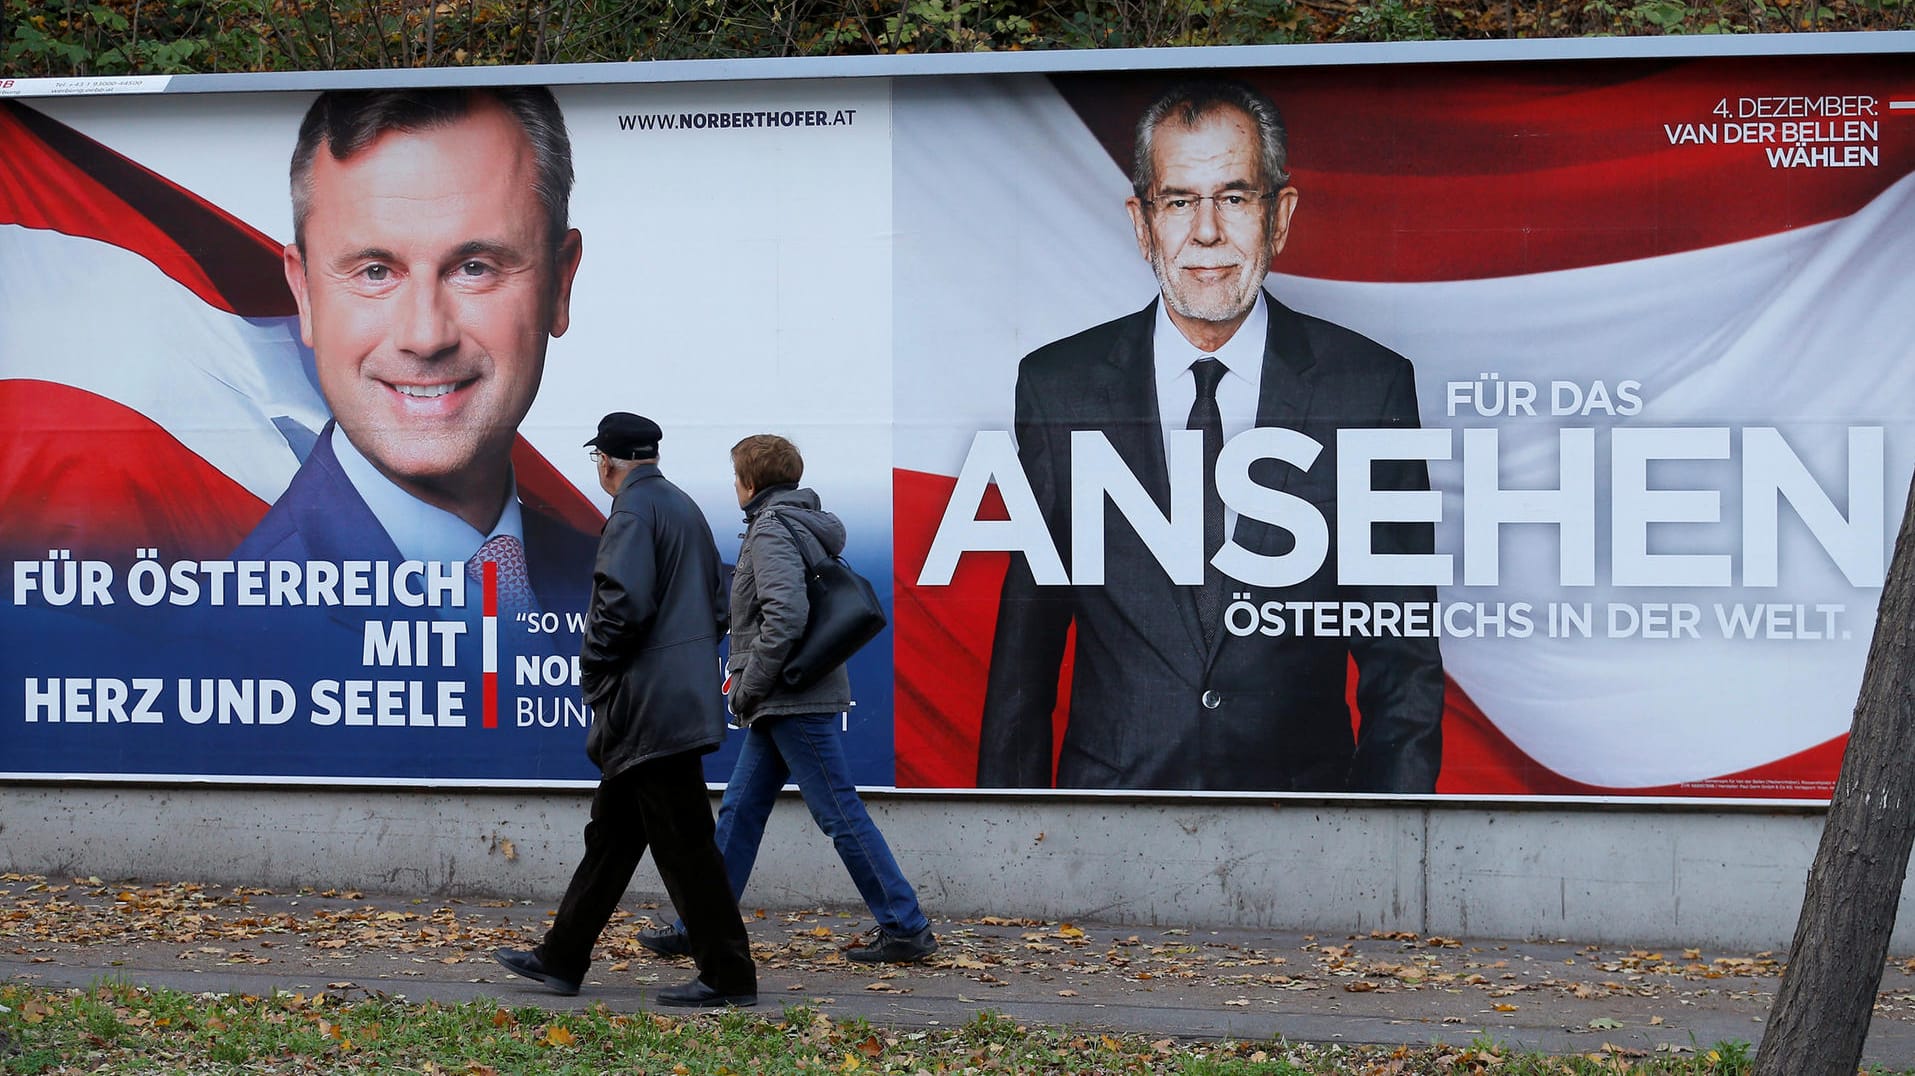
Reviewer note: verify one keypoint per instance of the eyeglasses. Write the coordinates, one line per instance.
(596, 455)
(1237, 207)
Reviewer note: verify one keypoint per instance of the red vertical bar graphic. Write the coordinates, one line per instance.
(489, 675)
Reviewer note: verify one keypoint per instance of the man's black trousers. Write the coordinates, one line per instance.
(662, 803)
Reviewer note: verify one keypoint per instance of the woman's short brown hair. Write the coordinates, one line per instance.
(766, 459)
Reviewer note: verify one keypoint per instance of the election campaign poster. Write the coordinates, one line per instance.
(1625, 534)
(235, 540)
(1303, 423)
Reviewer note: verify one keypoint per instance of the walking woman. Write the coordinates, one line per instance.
(792, 733)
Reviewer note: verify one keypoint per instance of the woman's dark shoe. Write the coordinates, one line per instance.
(892, 948)
(665, 941)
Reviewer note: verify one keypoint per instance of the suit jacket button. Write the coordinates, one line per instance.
(1212, 700)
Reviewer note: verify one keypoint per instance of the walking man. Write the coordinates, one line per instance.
(647, 669)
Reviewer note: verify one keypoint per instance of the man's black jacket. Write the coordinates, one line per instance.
(649, 665)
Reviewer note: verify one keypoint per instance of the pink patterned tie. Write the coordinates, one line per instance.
(515, 586)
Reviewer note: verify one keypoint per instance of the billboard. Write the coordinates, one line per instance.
(1417, 421)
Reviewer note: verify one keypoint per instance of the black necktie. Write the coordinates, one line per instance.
(1205, 416)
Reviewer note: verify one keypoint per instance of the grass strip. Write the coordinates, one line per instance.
(114, 1028)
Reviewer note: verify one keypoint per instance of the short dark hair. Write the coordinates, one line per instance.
(766, 459)
(1188, 103)
(347, 121)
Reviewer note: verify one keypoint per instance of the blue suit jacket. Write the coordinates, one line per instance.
(322, 517)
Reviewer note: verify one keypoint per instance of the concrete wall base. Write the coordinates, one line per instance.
(1649, 876)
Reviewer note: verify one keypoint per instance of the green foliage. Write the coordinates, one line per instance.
(111, 37)
(1390, 20)
(121, 37)
(1733, 1058)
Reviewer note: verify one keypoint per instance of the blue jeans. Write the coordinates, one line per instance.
(806, 749)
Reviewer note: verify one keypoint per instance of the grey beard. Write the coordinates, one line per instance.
(1228, 310)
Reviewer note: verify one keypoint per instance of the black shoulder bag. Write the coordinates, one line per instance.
(845, 615)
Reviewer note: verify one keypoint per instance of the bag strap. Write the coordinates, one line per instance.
(795, 540)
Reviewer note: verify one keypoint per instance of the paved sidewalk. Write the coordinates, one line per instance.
(1554, 996)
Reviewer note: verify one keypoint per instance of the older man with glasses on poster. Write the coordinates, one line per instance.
(1163, 695)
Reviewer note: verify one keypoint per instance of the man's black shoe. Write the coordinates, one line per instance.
(665, 941)
(696, 995)
(892, 948)
(522, 962)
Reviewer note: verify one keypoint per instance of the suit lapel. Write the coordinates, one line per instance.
(558, 559)
(335, 523)
(1138, 436)
(1289, 369)
(332, 517)
(1284, 391)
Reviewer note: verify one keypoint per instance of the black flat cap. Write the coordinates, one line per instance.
(627, 436)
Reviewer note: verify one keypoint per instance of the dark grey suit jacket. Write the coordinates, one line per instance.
(1141, 668)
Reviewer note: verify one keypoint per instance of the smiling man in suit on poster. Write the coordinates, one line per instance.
(432, 262)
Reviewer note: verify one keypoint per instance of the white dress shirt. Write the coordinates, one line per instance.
(1242, 357)
(421, 531)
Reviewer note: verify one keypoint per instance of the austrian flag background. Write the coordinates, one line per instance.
(1559, 452)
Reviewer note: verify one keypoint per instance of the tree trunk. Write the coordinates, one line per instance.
(1822, 1009)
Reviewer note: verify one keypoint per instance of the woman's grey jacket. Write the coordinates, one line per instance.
(769, 605)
